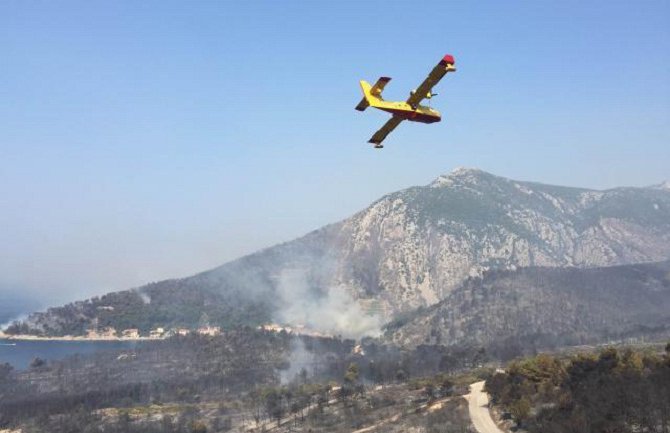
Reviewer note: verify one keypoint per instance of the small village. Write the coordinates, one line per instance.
(160, 333)
(108, 333)
(111, 334)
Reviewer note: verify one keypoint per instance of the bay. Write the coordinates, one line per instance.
(19, 353)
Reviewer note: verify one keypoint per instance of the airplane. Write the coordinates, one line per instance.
(408, 110)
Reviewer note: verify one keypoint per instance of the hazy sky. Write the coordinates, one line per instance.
(147, 140)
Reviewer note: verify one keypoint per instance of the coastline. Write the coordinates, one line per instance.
(24, 337)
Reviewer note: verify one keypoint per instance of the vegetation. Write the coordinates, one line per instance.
(612, 391)
(243, 377)
(176, 304)
(249, 379)
(528, 310)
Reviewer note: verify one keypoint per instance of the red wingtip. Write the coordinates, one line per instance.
(448, 59)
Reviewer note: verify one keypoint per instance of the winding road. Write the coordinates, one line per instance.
(478, 406)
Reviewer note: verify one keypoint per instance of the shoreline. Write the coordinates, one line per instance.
(25, 337)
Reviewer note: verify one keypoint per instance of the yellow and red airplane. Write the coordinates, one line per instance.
(407, 110)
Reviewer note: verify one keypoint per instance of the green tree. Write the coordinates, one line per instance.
(520, 410)
(273, 404)
(37, 363)
(352, 374)
(5, 371)
(302, 376)
(198, 427)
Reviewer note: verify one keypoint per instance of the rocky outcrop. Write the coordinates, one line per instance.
(413, 247)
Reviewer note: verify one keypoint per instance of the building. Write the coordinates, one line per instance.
(182, 331)
(130, 333)
(212, 331)
(273, 327)
(157, 333)
(104, 333)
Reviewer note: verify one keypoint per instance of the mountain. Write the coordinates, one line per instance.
(418, 244)
(409, 249)
(542, 307)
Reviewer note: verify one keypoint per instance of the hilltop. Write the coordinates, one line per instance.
(409, 249)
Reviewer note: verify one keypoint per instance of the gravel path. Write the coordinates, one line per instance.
(478, 406)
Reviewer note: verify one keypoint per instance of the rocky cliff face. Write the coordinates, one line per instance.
(413, 247)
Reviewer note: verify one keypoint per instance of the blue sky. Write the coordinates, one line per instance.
(147, 140)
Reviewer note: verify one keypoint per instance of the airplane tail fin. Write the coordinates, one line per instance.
(365, 103)
(371, 94)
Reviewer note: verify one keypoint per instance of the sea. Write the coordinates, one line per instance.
(19, 353)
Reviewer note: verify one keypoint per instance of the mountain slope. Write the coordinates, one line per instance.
(408, 249)
(545, 307)
(422, 242)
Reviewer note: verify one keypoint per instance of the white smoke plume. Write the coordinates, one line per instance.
(146, 298)
(330, 310)
(19, 318)
(300, 358)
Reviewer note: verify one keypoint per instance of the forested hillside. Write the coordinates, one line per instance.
(539, 308)
(615, 391)
(170, 304)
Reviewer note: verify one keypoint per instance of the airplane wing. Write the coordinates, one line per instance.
(385, 130)
(439, 71)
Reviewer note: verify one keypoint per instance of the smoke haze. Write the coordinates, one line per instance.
(331, 310)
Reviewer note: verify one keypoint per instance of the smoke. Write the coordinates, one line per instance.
(146, 298)
(300, 358)
(15, 306)
(330, 310)
(9, 321)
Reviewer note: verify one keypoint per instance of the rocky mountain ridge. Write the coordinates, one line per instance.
(424, 241)
(409, 249)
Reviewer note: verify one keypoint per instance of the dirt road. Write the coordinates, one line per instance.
(478, 402)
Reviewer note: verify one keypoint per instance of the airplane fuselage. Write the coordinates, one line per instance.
(405, 111)
(411, 109)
